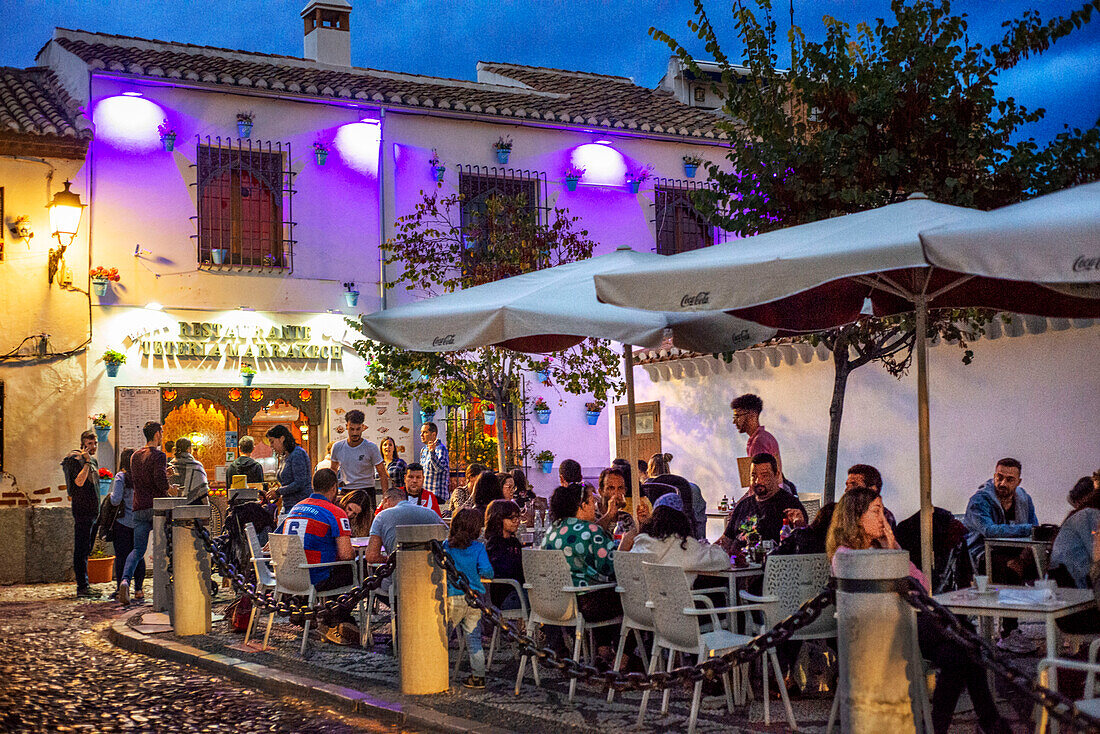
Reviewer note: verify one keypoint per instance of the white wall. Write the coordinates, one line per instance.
(1033, 397)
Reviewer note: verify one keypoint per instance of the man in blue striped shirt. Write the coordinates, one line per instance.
(436, 463)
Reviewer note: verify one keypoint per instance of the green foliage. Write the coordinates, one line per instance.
(544, 455)
(111, 356)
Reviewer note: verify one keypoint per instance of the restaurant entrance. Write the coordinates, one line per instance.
(648, 418)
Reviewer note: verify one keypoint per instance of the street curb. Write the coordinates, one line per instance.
(281, 683)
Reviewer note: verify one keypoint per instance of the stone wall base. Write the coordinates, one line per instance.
(36, 545)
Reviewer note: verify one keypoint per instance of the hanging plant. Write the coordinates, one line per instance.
(572, 175)
(691, 165)
(503, 148)
(167, 135)
(112, 360)
(320, 152)
(592, 410)
(244, 124)
(351, 295)
(541, 410)
(636, 178)
(102, 426)
(545, 460)
(248, 373)
(438, 169)
(101, 278)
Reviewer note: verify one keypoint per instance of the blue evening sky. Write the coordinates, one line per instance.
(448, 37)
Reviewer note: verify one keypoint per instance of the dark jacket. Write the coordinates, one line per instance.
(246, 465)
(653, 488)
(505, 556)
(769, 514)
(296, 479)
(149, 469)
(84, 498)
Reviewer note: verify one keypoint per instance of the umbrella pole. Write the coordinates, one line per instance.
(923, 434)
(632, 443)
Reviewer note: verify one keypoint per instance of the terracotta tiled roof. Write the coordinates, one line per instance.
(506, 91)
(33, 103)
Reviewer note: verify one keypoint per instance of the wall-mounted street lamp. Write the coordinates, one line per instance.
(65, 211)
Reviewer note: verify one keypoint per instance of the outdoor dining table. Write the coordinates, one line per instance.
(1039, 548)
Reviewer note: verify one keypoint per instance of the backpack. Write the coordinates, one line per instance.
(238, 613)
(108, 514)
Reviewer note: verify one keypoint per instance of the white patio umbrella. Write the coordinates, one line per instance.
(816, 276)
(553, 309)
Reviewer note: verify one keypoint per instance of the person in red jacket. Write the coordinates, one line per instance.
(149, 471)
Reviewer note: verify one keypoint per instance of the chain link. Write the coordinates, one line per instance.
(265, 600)
(1059, 706)
(710, 669)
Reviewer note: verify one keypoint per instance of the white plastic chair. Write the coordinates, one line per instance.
(373, 597)
(812, 505)
(1047, 673)
(790, 582)
(521, 613)
(553, 600)
(265, 579)
(678, 631)
(637, 617)
(288, 555)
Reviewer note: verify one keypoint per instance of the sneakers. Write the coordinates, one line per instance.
(474, 681)
(124, 593)
(1018, 643)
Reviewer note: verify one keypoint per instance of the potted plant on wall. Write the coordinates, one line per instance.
(427, 410)
(320, 152)
(105, 477)
(636, 178)
(489, 415)
(102, 426)
(248, 373)
(545, 460)
(691, 165)
(503, 148)
(101, 277)
(572, 175)
(438, 169)
(112, 360)
(244, 124)
(351, 296)
(167, 135)
(542, 373)
(592, 411)
(542, 410)
(101, 567)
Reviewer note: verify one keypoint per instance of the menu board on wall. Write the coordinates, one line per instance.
(384, 419)
(134, 407)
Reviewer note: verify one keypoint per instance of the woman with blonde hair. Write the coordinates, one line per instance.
(859, 523)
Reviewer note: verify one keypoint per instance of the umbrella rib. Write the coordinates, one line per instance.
(883, 283)
(949, 286)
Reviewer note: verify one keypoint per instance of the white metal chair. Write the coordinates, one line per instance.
(676, 620)
(288, 555)
(265, 579)
(789, 582)
(1048, 668)
(553, 600)
(812, 504)
(637, 617)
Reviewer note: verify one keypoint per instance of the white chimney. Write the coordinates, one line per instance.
(328, 31)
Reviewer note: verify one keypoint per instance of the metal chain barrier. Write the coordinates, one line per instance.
(980, 649)
(710, 669)
(266, 601)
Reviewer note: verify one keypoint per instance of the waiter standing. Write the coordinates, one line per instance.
(357, 461)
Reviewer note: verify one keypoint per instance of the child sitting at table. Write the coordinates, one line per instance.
(471, 559)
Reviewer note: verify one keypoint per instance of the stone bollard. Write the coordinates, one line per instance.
(162, 584)
(875, 635)
(190, 572)
(421, 613)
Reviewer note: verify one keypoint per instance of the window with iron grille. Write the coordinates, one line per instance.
(678, 226)
(478, 184)
(244, 205)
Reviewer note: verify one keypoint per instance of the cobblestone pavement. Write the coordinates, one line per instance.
(58, 674)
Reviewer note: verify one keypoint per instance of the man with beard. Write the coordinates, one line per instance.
(766, 502)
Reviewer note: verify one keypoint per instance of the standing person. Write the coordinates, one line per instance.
(436, 462)
(245, 464)
(357, 461)
(471, 560)
(859, 524)
(81, 469)
(294, 478)
(122, 532)
(149, 469)
(746, 416)
(190, 473)
(395, 465)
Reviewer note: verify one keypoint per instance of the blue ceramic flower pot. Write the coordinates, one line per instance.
(104, 487)
(542, 416)
(427, 416)
(112, 369)
(571, 183)
(502, 155)
(102, 434)
(634, 186)
(438, 171)
(546, 466)
(169, 142)
(351, 298)
(542, 376)
(321, 155)
(490, 417)
(244, 129)
(247, 379)
(690, 169)
(592, 416)
(99, 286)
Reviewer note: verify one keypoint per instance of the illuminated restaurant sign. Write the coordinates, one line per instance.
(199, 340)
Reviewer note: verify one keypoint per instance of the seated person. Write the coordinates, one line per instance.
(865, 475)
(615, 509)
(400, 511)
(668, 535)
(573, 526)
(766, 502)
(414, 489)
(809, 538)
(1071, 558)
(326, 536)
(505, 551)
(951, 565)
(463, 494)
(661, 479)
(1082, 488)
(355, 503)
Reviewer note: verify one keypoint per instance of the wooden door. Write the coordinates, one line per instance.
(648, 418)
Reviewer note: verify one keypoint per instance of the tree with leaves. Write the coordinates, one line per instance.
(439, 248)
(864, 119)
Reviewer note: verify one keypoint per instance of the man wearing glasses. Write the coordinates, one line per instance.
(746, 416)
